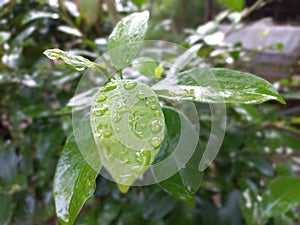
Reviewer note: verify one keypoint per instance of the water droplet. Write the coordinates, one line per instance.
(118, 129)
(130, 84)
(52, 56)
(124, 160)
(146, 158)
(153, 107)
(79, 68)
(143, 126)
(157, 113)
(106, 134)
(109, 87)
(102, 109)
(102, 98)
(155, 142)
(141, 96)
(117, 118)
(139, 134)
(156, 126)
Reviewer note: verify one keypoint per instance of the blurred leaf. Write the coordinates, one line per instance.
(145, 66)
(248, 113)
(280, 195)
(186, 181)
(158, 205)
(6, 209)
(182, 215)
(4, 36)
(232, 207)
(218, 85)
(250, 208)
(127, 34)
(89, 11)
(74, 182)
(8, 164)
(283, 220)
(34, 15)
(139, 3)
(236, 5)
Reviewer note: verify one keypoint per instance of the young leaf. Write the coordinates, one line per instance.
(282, 194)
(128, 127)
(217, 86)
(78, 62)
(145, 66)
(74, 182)
(127, 35)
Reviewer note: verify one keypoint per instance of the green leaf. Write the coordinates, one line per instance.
(6, 209)
(78, 62)
(127, 34)
(4, 36)
(158, 205)
(282, 194)
(145, 66)
(236, 5)
(217, 86)
(184, 184)
(139, 3)
(74, 183)
(128, 127)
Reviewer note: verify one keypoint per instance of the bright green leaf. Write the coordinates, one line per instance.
(127, 35)
(74, 183)
(145, 66)
(236, 5)
(217, 86)
(128, 128)
(282, 194)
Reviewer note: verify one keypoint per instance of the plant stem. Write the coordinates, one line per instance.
(101, 69)
(121, 74)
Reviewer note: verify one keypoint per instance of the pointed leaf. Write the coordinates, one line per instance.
(74, 183)
(127, 34)
(217, 86)
(128, 127)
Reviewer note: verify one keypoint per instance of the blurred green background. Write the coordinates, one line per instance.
(261, 145)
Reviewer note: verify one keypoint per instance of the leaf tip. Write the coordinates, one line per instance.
(123, 188)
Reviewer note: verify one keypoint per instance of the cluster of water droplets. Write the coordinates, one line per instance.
(128, 128)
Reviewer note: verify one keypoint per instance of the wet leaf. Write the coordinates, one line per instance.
(282, 194)
(128, 127)
(127, 35)
(217, 86)
(74, 182)
(78, 62)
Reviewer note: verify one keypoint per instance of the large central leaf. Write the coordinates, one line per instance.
(128, 127)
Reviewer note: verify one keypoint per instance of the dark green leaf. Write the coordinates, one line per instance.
(5, 209)
(186, 182)
(158, 205)
(74, 182)
(126, 35)
(217, 86)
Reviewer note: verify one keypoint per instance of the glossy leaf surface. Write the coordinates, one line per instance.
(217, 86)
(128, 127)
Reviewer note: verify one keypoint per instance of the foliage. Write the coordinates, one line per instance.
(253, 177)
